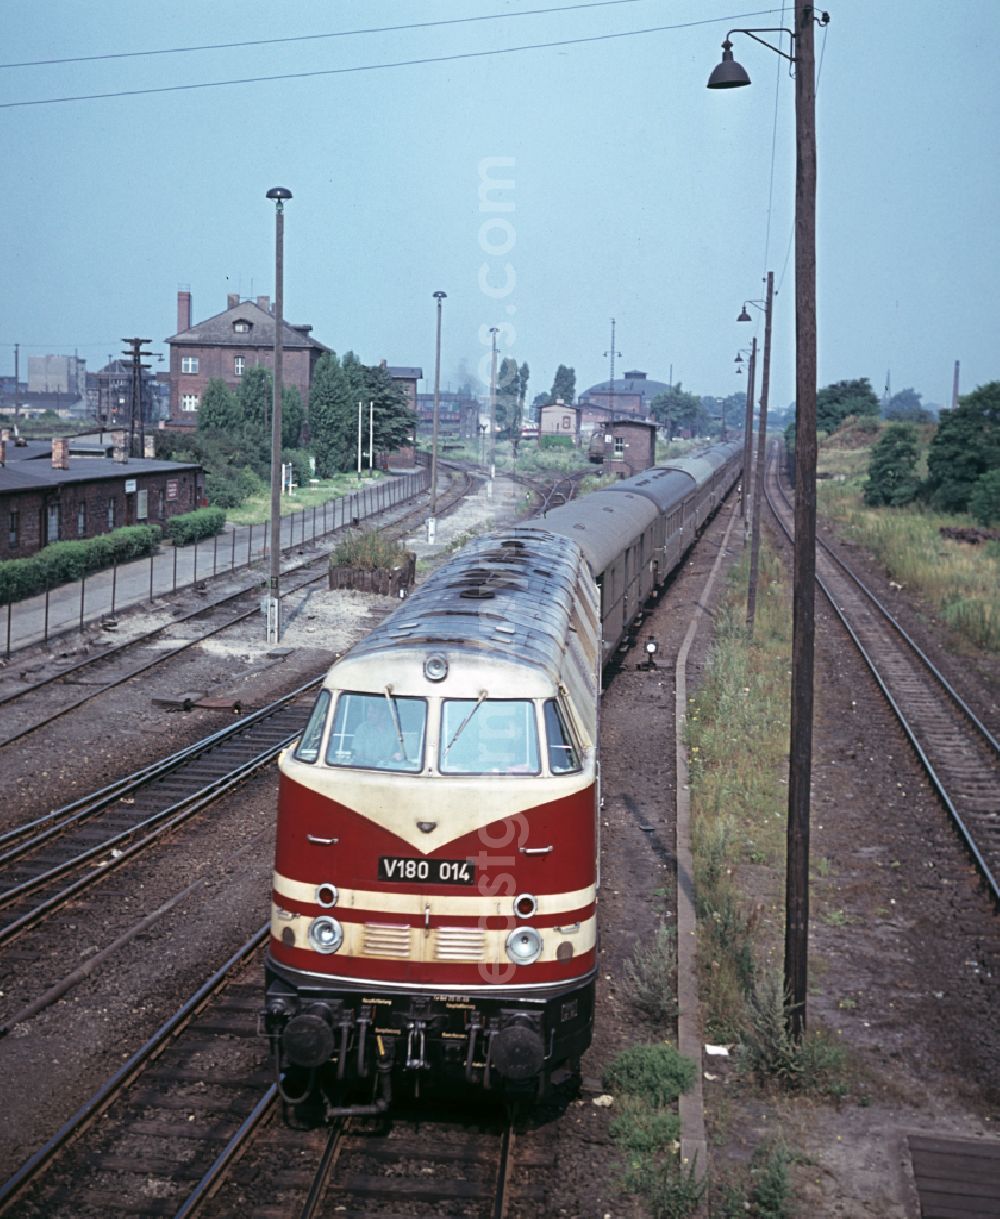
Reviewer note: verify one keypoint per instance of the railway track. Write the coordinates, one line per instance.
(55, 694)
(959, 754)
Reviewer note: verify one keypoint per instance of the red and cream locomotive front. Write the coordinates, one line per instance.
(434, 894)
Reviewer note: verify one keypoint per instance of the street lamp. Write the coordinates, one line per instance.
(758, 481)
(439, 296)
(494, 331)
(279, 194)
(730, 75)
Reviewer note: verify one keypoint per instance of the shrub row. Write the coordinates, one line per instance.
(64, 561)
(193, 526)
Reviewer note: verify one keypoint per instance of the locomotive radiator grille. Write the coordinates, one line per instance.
(384, 940)
(460, 944)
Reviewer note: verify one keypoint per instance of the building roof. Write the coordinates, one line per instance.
(218, 331)
(39, 475)
(631, 383)
(403, 373)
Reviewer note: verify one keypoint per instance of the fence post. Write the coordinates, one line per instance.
(114, 585)
(232, 565)
(215, 554)
(175, 567)
(314, 523)
(10, 607)
(151, 575)
(250, 545)
(194, 578)
(83, 586)
(267, 531)
(46, 636)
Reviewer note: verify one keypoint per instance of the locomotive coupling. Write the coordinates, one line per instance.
(308, 1038)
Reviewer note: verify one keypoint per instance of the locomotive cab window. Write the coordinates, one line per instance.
(564, 756)
(307, 750)
(378, 732)
(491, 736)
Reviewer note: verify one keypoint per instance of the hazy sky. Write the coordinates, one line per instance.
(633, 191)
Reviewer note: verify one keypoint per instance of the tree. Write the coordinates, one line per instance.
(564, 384)
(508, 389)
(842, 398)
(965, 446)
(293, 415)
(218, 410)
(906, 406)
(332, 418)
(984, 502)
(892, 468)
(676, 410)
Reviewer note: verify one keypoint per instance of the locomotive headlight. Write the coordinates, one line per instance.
(325, 934)
(524, 946)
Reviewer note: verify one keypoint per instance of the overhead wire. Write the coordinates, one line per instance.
(375, 67)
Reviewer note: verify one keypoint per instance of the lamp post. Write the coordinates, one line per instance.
(439, 296)
(494, 330)
(748, 424)
(730, 75)
(279, 194)
(758, 481)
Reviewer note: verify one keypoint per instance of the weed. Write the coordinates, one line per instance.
(657, 1073)
(640, 1128)
(369, 549)
(650, 974)
(811, 1065)
(769, 1176)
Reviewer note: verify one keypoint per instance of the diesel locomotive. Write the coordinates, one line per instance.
(434, 899)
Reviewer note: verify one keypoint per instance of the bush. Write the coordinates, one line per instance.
(65, 561)
(984, 502)
(193, 526)
(369, 550)
(556, 442)
(229, 488)
(657, 1074)
(649, 975)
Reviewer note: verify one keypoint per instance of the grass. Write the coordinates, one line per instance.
(257, 508)
(368, 549)
(957, 580)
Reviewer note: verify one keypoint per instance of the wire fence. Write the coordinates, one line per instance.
(100, 596)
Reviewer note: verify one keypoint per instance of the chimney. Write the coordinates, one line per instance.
(183, 312)
(60, 453)
(120, 451)
(149, 447)
(232, 300)
(264, 302)
(3, 450)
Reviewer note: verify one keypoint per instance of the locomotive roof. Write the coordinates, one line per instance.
(508, 596)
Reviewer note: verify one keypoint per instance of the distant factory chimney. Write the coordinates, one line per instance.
(120, 449)
(183, 312)
(60, 453)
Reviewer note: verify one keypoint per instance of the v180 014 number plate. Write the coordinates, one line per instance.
(400, 870)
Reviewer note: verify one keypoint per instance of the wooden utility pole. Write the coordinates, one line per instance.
(796, 975)
(136, 419)
(758, 482)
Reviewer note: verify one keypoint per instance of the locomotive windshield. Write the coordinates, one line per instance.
(563, 754)
(378, 731)
(495, 736)
(307, 749)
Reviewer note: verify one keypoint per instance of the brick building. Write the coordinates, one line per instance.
(224, 346)
(624, 446)
(47, 494)
(559, 419)
(631, 395)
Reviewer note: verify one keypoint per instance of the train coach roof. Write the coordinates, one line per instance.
(603, 523)
(506, 596)
(702, 465)
(665, 487)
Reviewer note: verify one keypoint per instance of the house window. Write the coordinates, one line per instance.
(111, 513)
(52, 523)
(14, 529)
(142, 505)
(239, 363)
(81, 521)
(189, 402)
(189, 364)
(242, 327)
(161, 505)
(619, 447)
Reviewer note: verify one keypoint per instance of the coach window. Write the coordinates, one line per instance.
(307, 750)
(378, 732)
(563, 754)
(492, 736)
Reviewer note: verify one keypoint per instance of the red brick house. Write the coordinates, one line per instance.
(48, 495)
(224, 346)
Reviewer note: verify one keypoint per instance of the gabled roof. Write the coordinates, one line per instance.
(218, 331)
